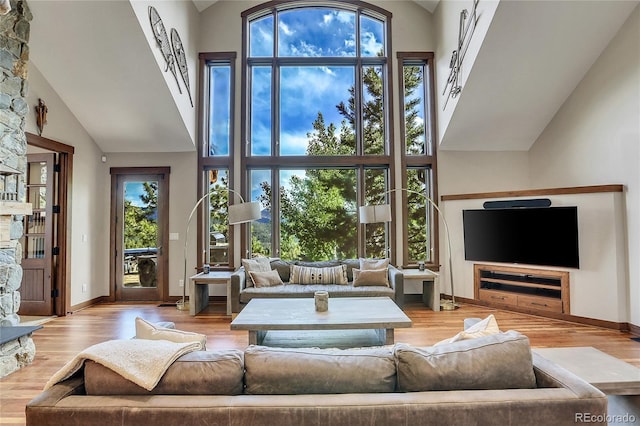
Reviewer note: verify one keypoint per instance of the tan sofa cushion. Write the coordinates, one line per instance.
(196, 373)
(282, 371)
(498, 361)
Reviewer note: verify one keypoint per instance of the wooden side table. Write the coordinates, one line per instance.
(199, 289)
(430, 285)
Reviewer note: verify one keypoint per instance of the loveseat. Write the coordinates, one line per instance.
(243, 290)
(490, 380)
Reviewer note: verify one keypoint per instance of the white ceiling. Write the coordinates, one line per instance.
(533, 56)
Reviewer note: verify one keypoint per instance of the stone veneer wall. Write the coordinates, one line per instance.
(14, 55)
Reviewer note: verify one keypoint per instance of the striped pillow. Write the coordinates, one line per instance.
(311, 275)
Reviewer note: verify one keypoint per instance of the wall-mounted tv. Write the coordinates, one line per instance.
(535, 236)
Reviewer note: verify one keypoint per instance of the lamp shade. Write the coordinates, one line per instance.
(244, 212)
(376, 213)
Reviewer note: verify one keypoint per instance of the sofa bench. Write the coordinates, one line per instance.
(490, 380)
(242, 289)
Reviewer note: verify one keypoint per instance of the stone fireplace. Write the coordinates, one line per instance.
(16, 348)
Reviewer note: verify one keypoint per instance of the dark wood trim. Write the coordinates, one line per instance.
(288, 4)
(65, 194)
(87, 303)
(49, 144)
(537, 192)
(163, 207)
(428, 160)
(634, 329)
(620, 326)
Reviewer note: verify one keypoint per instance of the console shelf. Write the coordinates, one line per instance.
(534, 290)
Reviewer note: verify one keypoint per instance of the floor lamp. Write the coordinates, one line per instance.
(238, 213)
(382, 213)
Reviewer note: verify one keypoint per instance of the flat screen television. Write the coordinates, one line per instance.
(535, 236)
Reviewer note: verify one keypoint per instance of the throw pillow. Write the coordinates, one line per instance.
(148, 331)
(369, 264)
(257, 264)
(265, 279)
(486, 327)
(378, 277)
(310, 275)
(498, 361)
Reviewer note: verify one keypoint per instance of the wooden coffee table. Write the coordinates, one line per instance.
(345, 313)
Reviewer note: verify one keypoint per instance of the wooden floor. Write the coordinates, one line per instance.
(63, 337)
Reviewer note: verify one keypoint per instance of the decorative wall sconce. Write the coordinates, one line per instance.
(41, 115)
(465, 31)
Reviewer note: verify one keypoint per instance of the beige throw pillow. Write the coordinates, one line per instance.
(148, 331)
(373, 264)
(310, 275)
(265, 279)
(257, 264)
(486, 327)
(377, 277)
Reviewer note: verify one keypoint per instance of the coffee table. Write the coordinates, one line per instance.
(345, 313)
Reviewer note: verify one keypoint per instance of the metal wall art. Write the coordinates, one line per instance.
(465, 31)
(181, 59)
(173, 52)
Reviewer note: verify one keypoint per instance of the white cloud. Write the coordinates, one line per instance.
(370, 46)
(285, 28)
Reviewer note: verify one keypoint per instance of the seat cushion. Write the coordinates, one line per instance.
(298, 290)
(283, 371)
(196, 373)
(498, 361)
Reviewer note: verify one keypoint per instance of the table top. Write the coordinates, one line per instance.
(609, 374)
(300, 314)
(213, 276)
(416, 273)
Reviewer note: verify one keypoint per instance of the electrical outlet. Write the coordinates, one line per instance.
(84, 287)
(181, 283)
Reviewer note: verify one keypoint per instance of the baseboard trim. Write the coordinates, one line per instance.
(87, 303)
(620, 326)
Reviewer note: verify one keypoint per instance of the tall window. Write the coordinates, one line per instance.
(317, 136)
(419, 157)
(216, 154)
(318, 127)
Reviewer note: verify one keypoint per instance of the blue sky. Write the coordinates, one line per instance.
(306, 90)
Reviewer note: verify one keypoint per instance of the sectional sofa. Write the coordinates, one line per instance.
(490, 380)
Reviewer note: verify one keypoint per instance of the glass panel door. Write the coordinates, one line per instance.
(139, 237)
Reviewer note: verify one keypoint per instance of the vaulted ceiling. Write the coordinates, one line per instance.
(531, 59)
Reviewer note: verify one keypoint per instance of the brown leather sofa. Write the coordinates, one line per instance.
(242, 290)
(491, 380)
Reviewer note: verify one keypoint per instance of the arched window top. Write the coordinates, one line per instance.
(311, 30)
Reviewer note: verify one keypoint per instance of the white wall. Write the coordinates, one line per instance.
(598, 289)
(595, 139)
(446, 25)
(89, 217)
(183, 16)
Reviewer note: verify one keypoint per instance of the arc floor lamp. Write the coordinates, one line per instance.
(382, 213)
(238, 213)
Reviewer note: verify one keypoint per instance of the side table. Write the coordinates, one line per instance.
(430, 285)
(199, 289)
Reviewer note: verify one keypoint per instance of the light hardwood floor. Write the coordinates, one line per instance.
(63, 337)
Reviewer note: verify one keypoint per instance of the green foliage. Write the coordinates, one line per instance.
(140, 222)
(318, 213)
